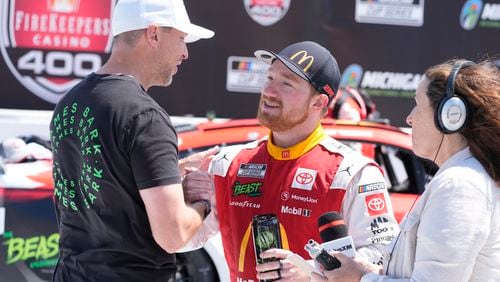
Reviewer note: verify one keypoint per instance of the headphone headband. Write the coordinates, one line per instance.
(450, 84)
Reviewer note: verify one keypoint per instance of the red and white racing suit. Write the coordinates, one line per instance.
(298, 184)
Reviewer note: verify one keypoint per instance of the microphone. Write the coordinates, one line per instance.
(333, 233)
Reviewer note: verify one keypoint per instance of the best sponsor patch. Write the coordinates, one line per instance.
(252, 170)
(252, 189)
(370, 187)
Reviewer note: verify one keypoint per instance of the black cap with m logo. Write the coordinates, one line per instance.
(310, 61)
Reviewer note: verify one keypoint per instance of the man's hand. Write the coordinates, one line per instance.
(198, 185)
(200, 160)
(281, 269)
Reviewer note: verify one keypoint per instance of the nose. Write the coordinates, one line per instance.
(185, 53)
(269, 90)
(409, 118)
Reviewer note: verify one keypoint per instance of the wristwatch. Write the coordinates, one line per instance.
(208, 206)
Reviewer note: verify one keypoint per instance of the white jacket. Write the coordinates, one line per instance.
(453, 233)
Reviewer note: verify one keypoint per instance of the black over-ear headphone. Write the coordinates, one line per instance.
(452, 111)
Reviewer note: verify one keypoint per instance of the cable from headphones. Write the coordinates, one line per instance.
(411, 207)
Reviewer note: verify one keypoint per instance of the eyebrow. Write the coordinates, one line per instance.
(287, 74)
(291, 76)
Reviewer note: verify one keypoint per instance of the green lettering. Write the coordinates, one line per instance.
(97, 149)
(92, 197)
(57, 193)
(65, 202)
(52, 245)
(57, 119)
(98, 172)
(41, 250)
(65, 111)
(95, 186)
(94, 134)
(74, 107)
(14, 249)
(30, 245)
(86, 203)
(250, 189)
(72, 120)
(257, 186)
(86, 112)
(90, 121)
(43, 263)
(236, 189)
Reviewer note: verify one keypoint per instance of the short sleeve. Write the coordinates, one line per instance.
(152, 148)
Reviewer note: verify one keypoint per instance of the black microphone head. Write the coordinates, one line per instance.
(331, 226)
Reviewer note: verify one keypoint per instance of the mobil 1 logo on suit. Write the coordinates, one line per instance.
(50, 45)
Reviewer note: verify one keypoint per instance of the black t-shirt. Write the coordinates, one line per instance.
(110, 139)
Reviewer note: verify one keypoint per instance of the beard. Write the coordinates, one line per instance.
(284, 120)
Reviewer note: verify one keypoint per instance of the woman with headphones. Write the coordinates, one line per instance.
(453, 232)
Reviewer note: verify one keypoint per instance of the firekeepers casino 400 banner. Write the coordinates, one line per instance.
(50, 45)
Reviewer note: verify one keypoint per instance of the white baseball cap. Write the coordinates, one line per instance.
(139, 14)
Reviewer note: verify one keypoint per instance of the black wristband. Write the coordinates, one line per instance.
(208, 206)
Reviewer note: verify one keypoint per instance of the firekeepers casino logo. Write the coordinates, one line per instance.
(266, 12)
(50, 45)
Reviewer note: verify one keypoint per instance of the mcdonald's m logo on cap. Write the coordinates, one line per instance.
(303, 58)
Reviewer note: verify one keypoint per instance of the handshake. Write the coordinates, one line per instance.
(197, 183)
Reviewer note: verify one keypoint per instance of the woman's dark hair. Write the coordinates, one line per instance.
(479, 86)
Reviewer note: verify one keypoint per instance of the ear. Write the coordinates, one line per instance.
(152, 34)
(319, 102)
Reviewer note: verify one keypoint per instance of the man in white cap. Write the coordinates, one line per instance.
(118, 193)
